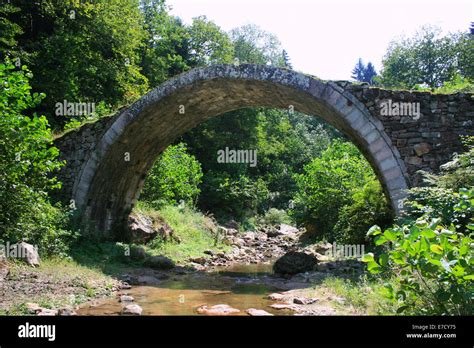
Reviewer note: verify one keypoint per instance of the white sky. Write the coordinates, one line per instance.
(326, 37)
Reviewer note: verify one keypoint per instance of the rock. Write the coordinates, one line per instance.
(27, 253)
(160, 262)
(138, 253)
(258, 312)
(304, 300)
(295, 262)
(66, 312)
(276, 297)
(147, 279)
(209, 252)
(141, 228)
(126, 298)
(198, 260)
(4, 269)
(33, 307)
(282, 306)
(220, 309)
(47, 312)
(421, 148)
(287, 229)
(322, 248)
(125, 286)
(132, 309)
(233, 225)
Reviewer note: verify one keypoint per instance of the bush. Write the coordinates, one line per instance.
(175, 177)
(329, 184)
(434, 264)
(234, 198)
(27, 162)
(275, 217)
(369, 207)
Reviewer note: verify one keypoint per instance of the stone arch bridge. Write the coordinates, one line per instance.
(107, 161)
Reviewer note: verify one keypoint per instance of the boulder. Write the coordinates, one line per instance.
(48, 312)
(276, 296)
(27, 253)
(220, 309)
(258, 312)
(126, 298)
(138, 253)
(160, 262)
(304, 300)
(287, 229)
(141, 229)
(132, 309)
(295, 262)
(232, 224)
(66, 312)
(33, 307)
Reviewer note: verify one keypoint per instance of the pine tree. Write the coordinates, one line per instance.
(369, 73)
(286, 59)
(358, 71)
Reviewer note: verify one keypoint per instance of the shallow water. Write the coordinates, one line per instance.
(240, 286)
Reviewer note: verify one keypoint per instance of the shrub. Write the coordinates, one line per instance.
(434, 265)
(369, 207)
(328, 184)
(275, 217)
(174, 177)
(27, 162)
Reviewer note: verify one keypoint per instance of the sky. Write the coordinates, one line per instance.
(325, 38)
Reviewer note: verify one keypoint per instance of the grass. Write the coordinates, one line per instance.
(195, 232)
(55, 283)
(365, 295)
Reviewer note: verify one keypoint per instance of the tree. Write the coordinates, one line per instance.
(358, 71)
(256, 46)
(427, 59)
(27, 165)
(175, 177)
(81, 51)
(286, 60)
(165, 51)
(364, 73)
(369, 73)
(208, 43)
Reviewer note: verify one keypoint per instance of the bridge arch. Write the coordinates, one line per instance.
(109, 182)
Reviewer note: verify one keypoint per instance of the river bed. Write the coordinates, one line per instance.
(241, 286)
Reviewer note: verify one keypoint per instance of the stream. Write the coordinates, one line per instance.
(241, 286)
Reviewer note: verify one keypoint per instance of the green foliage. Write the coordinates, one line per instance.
(81, 51)
(329, 184)
(193, 230)
(275, 217)
(434, 265)
(440, 199)
(208, 43)
(256, 46)
(427, 59)
(174, 177)
(27, 162)
(237, 198)
(369, 206)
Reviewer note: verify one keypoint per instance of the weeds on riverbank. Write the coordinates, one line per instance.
(194, 233)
